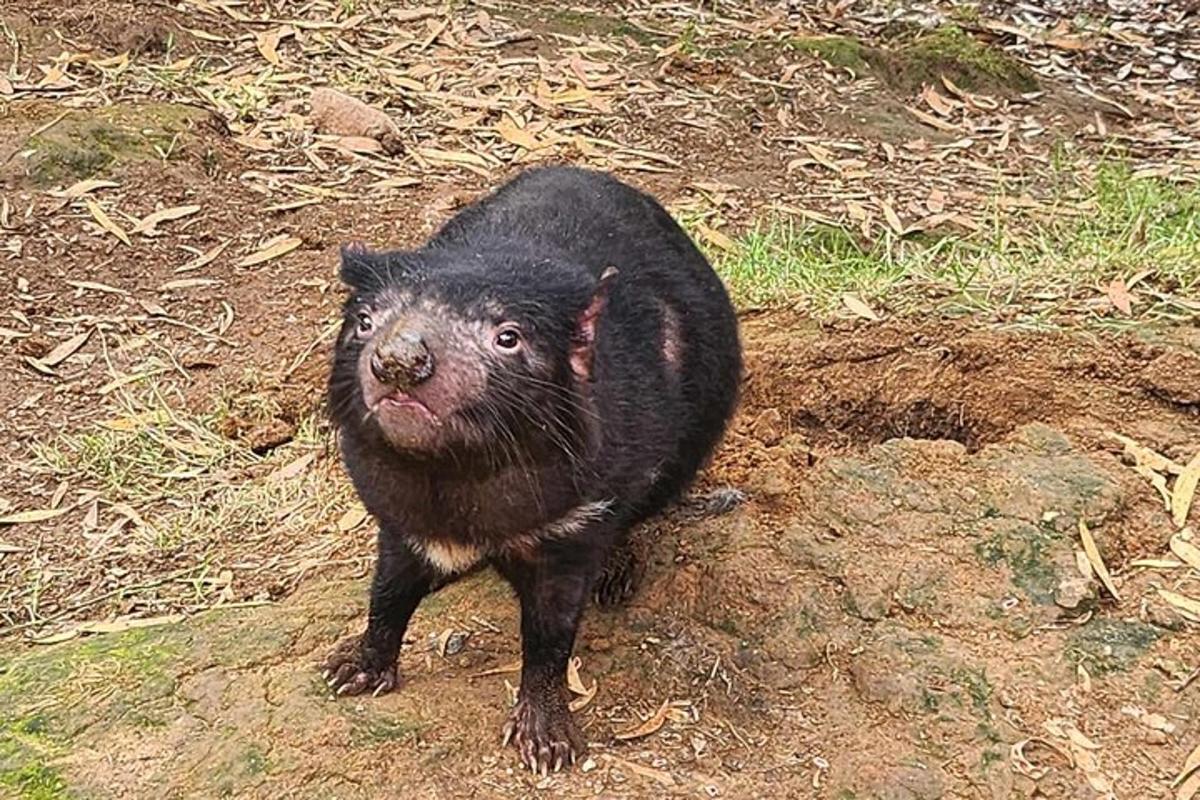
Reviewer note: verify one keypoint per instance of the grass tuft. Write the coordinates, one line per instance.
(1118, 226)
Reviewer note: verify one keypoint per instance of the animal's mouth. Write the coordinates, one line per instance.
(398, 402)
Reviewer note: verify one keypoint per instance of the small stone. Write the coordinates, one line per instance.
(772, 486)
(768, 427)
(1154, 737)
(588, 765)
(1075, 595)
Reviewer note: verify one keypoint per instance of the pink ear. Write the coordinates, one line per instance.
(583, 345)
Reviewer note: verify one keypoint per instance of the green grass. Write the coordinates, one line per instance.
(1115, 227)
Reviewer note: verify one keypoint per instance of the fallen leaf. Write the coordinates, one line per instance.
(1068, 42)
(1089, 547)
(1157, 563)
(79, 189)
(1144, 455)
(64, 350)
(1187, 552)
(932, 121)
(188, 283)
(715, 237)
(822, 156)
(518, 136)
(575, 684)
(1118, 294)
(99, 287)
(860, 308)
(353, 517)
(148, 225)
(268, 43)
(893, 219)
(1190, 787)
(203, 259)
(277, 248)
(1158, 481)
(59, 494)
(1191, 768)
(105, 222)
(1184, 491)
(936, 101)
(137, 422)
(648, 727)
(1186, 606)
(293, 469)
(453, 157)
(36, 515)
(396, 183)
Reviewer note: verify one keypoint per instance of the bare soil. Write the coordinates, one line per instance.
(897, 611)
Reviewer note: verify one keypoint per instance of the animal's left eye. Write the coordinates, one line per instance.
(365, 323)
(508, 339)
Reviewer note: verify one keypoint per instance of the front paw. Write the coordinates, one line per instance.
(544, 734)
(355, 667)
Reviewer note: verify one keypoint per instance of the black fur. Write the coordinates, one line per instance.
(539, 440)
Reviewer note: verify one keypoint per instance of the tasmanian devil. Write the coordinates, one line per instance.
(551, 368)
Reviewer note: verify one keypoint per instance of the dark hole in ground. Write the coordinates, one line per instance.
(850, 421)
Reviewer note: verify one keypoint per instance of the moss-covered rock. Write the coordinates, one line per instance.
(87, 143)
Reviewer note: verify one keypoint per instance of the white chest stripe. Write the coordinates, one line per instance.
(452, 557)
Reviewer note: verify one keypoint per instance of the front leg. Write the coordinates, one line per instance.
(553, 584)
(368, 662)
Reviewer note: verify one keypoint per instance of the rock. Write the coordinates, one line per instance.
(771, 486)
(868, 598)
(768, 427)
(1075, 595)
(911, 783)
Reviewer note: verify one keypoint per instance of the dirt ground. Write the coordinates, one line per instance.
(901, 609)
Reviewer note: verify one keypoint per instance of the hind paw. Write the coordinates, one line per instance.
(619, 580)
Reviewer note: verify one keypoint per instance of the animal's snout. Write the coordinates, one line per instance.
(402, 359)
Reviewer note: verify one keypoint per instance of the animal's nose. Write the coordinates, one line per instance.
(402, 359)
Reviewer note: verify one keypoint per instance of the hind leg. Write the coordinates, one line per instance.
(619, 579)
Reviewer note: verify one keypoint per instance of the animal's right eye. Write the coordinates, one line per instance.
(365, 323)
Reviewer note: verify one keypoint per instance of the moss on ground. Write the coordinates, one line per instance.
(1107, 645)
(47, 696)
(1026, 551)
(85, 144)
(837, 51)
(910, 61)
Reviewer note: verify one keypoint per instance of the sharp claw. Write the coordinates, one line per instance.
(508, 732)
(544, 766)
(558, 763)
(378, 690)
(572, 756)
(325, 675)
(345, 687)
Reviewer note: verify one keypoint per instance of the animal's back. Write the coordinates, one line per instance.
(668, 359)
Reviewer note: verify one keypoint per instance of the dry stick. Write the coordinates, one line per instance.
(308, 351)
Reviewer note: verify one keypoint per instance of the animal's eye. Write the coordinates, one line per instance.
(365, 323)
(508, 339)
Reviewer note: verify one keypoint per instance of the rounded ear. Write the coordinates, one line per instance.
(358, 269)
(584, 341)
